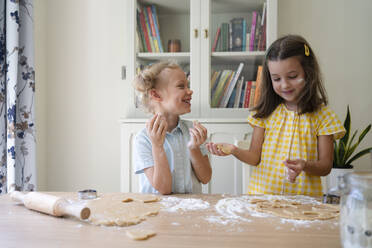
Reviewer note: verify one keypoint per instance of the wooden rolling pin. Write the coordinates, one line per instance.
(50, 204)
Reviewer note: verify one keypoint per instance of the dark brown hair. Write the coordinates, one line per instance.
(313, 94)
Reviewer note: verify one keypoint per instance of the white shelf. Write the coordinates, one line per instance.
(222, 57)
(181, 58)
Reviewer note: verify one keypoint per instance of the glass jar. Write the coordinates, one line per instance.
(356, 210)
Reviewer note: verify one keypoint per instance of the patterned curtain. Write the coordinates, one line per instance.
(17, 91)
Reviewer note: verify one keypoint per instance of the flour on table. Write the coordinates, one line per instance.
(173, 204)
(110, 210)
(293, 208)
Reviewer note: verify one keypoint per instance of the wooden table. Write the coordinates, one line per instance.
(20, 227)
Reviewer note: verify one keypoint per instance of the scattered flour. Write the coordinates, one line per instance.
(235, 209)
(173, 204)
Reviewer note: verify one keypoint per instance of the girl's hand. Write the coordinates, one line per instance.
(198, 135)
(295, 167)
(156, 129)
(220, 149)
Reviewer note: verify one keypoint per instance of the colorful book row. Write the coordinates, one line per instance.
(230, 90)
(242, 33)
(148, 35)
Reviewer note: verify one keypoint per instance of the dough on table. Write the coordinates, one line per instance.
(140, 234)
(109, 209)
(140, 197)
(296, 210)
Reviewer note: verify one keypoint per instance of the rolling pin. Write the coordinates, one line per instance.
(50, 204)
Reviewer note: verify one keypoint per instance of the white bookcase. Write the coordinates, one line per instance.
(195, 22)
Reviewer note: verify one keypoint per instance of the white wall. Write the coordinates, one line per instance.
(340, 33)
(80, 47)
(82, 87)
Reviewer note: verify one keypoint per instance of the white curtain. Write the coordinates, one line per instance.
(17, 91)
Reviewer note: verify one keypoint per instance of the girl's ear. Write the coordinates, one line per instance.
(155, 95)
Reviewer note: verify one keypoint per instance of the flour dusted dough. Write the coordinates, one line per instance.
(141, 198)
(225, 149)
(140, 234)
(296, 210)
(109, 209)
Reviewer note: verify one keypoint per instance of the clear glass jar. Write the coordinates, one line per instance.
(356, 210)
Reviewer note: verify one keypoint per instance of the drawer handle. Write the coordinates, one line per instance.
(206, 33)
(196, 33)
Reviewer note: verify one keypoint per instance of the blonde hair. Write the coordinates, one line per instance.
(147, 79)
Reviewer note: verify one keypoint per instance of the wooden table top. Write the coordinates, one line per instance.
(21, 227)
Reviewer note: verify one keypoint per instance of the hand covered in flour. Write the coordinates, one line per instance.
(156, 129)
(220, 149)
(294, 167)
(198, 134)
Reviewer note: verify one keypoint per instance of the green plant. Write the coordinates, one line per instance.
(344, 148)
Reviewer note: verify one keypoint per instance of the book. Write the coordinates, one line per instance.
(216, 39)
(231, 86)
(215, 78)
(230, 103)
(251, 97)
(157, 28)
(144, 29)
(239, 86)
(253, 31)
(220, 87)
(244, 34)
(257, 93)
(147, 24)
(143, 47)
(247, 94)
(242, 94)
(229, 48)
(257, 31)
(151, 21)
(237, 34)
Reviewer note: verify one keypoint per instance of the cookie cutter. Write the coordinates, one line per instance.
(87, 194)
(331, 199)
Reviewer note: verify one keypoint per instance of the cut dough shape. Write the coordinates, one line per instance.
(225, 149)
(145, 198)
(109, 210)
(296, 210)
(140, 234)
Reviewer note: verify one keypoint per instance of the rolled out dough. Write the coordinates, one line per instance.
(109, 209)
(296, 210)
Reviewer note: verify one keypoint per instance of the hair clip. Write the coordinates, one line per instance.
(307, 50)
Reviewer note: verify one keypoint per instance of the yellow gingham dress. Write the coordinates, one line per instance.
(293, 136)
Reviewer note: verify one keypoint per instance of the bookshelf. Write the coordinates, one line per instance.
(195, 23)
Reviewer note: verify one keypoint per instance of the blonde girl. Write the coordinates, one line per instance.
(170, 156)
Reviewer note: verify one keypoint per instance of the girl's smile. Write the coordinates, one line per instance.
(287, 78)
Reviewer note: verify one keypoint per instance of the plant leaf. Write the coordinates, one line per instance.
(347, 121)
(365, 131)
(359, 154)
(335, 154)
(349, 149)
(343, 153)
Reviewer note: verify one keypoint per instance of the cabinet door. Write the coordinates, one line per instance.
(171, 20)
(228, 173)
(238, 34)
